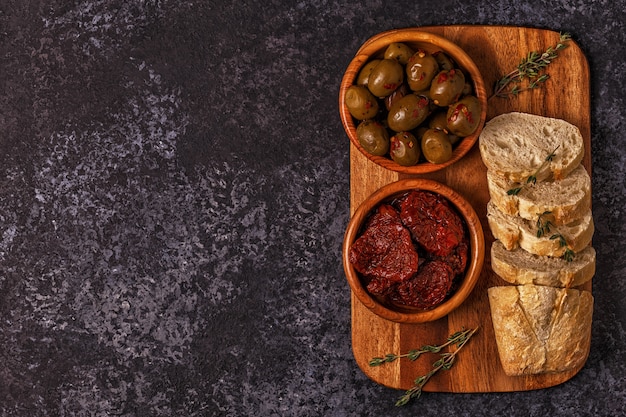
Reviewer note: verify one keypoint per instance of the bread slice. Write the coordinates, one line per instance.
(515, 146)
(514, 231)
(567, 199)
(520, 267)
(540, 329)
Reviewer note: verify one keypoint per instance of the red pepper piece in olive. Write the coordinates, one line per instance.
(446, 87)
(464, 116)
(385, 77)
(404, 149)
(420, 70)
(408, 112)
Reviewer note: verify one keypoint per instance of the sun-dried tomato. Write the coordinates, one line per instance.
(457, 259)
(412, 249)
(432, 222)
(380, 286)
(426, 289)
(385, 250)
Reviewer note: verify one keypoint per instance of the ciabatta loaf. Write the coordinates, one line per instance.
(514, 231)
(520, 267)
(540, 329)
(516, 145)
(567, 199)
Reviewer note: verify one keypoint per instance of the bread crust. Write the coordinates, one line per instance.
(515, 146)
(514, 232)
(540, 329)
(520, 267)
(541, 324)
(567, 199)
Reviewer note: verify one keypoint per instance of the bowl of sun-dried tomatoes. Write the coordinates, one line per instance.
(413, 251)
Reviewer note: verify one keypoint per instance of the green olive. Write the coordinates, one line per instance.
(446, 87)
(408, 112)
(404, 149)
(467, 88)
(425, 93)
(443, 60)
(364, 74)
(399, 51)
(420, 70)
(464, 116)
(373, 137)
(400, 92)
(361, 103)
(436, 146)
(454, 139)
(439, 120)
(419, 132)
(385, 77)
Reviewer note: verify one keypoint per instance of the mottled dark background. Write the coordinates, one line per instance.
(173, 195)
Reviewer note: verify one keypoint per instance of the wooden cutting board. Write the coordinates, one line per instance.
(496, 51)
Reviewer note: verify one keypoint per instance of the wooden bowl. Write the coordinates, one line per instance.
(404, 314)
(375, 48)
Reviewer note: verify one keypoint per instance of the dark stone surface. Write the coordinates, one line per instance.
(174, 192)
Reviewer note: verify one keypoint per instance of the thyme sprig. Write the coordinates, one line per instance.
(416, 353)
(529, 68)
(532, 179)
(545, 226)
(445, 361)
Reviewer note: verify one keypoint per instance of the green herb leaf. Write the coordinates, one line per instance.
(569, 255)
(514, 191)
(532, 179)
(529, 69)
(544, 226)
(445, 361)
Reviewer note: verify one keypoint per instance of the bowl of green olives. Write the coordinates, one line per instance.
(412, 101)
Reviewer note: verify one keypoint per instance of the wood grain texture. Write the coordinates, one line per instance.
(496, 51)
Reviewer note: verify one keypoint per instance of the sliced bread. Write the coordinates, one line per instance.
(521, 267)
(515, 231)
(540, 329)
(516, 145)
(567, 199)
